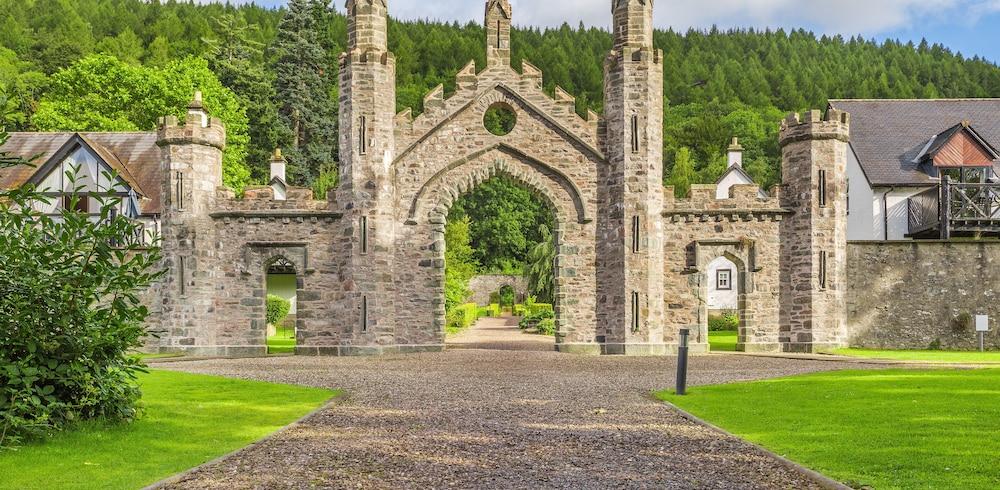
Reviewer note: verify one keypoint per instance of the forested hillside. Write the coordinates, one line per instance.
(717, 84)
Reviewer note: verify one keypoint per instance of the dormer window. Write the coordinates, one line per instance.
(961, 154)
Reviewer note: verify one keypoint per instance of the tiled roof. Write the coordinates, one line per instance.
(135, 153)
(888, 135)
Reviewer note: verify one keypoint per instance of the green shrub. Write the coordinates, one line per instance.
(495, 310)
(540, 309)
(462, 317)
(495, 298)
(547, 326)
(519, 310)
(725, 322)
(277, 309)
(533, 320)
(70, 315)
(507, 298)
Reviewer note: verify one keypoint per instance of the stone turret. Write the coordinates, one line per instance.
(498, 15)
(367, 149)
(191, 165)
(630, 224)
(814, 239)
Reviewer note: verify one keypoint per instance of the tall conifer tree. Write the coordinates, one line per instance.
(302, 89)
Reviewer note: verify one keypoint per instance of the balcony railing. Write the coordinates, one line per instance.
(969, 209)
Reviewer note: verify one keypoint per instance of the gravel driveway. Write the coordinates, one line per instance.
(471, 418)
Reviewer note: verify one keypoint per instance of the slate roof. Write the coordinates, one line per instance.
(888, 135)
(135, 153)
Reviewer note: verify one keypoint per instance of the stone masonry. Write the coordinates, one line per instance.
(631, 259)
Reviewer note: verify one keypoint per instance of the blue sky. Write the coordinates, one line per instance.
(969, 26)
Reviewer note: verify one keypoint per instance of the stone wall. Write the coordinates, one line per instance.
(485, 285)
(910, 295)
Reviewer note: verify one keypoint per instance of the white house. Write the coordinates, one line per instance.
(722, 273)
(122, 167)
(900, 149)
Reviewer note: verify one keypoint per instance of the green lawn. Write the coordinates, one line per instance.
(190, 419)
(277, 345)
(723, 341)
(886, 429)
(922, 355)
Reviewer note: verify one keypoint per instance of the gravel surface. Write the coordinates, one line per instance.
(474, 418)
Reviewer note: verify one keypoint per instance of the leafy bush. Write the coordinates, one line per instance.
(547, 326)
(462, 317)
(519, 310)
(724, 323)
(495, 310)
(70, 314)
(495, 297)
(277, 309)
(539, 315)
(507, 298)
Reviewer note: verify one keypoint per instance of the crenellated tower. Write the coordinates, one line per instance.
(365, 192)
(191, 166)
(814, 239)
(630, 228)
(498, 15)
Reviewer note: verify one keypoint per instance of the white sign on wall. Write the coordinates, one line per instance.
(982, 323)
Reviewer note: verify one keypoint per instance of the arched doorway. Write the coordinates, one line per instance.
(281, 290)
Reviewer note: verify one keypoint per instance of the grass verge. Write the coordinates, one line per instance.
(189, 420)
(277, 345)
(884, 429)
(723, 341)
(992, 357)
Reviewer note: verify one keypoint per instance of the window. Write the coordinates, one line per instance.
(822, 270)
(363, 135)
(364, 313)
(364, 234)
(724, 280)
(635, 234)
(635, 312)
(848, 183)
(82, 204)
(822, 188)
(179, 179)
(499, 44)
(635, 134)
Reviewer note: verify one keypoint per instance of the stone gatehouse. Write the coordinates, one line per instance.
(631, 258)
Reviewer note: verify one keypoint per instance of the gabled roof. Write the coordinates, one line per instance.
(738, 170)
(134, 156)
(888, 136)
(941, 142)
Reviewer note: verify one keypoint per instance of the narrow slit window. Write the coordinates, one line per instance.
(363, 135)
(822, 270)
(180, 190)
(635, 235)
(364, 234)
(635, 312)
(180, 273)
(822, 188)
(499, 46)
(364, 313)
(635, 134)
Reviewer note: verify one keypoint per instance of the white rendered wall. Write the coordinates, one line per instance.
(724, 299)
(861, 217)
(896, 201)
(728, 181)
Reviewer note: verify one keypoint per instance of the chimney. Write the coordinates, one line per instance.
(278, 165)
(735, 153)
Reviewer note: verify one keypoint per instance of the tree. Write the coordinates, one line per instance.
(102, 93)
(302, 91)
(459, 266)
(504, 219)
(683, 174)
(125, 46)
(70, 313)
(238, 62)
(540, 270)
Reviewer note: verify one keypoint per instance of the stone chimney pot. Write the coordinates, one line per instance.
(735, 153)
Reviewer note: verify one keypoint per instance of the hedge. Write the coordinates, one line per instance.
(462, 317)
(536, 309)
(277, 309)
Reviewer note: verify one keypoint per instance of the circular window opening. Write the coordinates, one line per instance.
(500, 119)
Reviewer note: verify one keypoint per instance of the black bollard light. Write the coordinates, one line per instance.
(682, 362)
